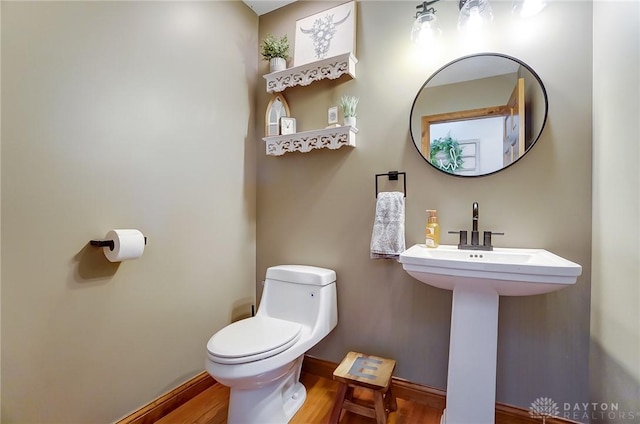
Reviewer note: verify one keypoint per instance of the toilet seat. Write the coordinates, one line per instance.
(252, 339)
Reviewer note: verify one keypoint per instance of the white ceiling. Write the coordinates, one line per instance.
(265, 6)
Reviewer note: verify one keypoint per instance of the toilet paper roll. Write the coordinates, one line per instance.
(127, 244)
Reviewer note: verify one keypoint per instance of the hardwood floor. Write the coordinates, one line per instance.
(210, 407)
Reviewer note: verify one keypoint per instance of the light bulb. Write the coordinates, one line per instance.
(474, 23)
(426, 29)
(474, 15)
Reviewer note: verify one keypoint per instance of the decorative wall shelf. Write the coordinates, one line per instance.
(330, 138)
(330, 68)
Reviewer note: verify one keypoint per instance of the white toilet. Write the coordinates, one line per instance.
(260, 358)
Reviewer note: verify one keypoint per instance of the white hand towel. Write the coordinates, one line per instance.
(387, 239)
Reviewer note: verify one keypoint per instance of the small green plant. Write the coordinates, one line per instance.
(348, 105)
(273, 47)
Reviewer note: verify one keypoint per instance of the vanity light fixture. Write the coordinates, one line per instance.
(426, 27)
(527, 8)
(474, 15)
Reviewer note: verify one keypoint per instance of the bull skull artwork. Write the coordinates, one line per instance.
(322, 33)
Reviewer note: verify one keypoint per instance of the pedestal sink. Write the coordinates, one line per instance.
(477, 279)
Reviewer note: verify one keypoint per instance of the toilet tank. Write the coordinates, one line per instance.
(300, 293)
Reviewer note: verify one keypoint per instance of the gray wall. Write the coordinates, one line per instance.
(615, 316)
(317, 208)
(117, 115)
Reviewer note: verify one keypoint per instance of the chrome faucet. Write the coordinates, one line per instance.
(474, 225)
(475, 234)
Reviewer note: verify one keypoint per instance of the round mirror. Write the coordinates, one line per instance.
(478, 114)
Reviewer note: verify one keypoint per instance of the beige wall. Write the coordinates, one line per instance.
(0, 222)
(142, 88)
(122, 114)
(615, 316)
(317, 208)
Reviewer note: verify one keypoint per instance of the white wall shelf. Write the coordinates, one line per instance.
(330, 138)
(330, 68)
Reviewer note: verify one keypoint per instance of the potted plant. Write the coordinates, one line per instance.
(348, 105)
(275, 51)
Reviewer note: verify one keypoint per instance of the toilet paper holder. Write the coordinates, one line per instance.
(108, 243)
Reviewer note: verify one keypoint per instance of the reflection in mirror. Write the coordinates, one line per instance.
(478, 114)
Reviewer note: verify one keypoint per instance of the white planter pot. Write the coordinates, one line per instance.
(350, 120)
(277, 64)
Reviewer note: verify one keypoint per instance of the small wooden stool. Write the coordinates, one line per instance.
(369, 372)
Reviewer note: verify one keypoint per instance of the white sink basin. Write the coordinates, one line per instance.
(509, 272)
(477, 279)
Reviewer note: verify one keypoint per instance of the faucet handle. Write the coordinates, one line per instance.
(463, 236)
(487, 237)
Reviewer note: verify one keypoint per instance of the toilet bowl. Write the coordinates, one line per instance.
(260, 358)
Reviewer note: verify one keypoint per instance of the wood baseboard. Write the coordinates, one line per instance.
(432, 397)
(166, 403)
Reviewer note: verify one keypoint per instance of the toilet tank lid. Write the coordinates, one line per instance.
(302, 274)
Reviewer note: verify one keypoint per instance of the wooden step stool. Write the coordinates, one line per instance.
(368, 372)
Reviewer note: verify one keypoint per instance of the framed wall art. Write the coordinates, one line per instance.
(332, 115)
(325, 34)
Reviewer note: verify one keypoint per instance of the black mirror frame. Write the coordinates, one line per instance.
(535, 140)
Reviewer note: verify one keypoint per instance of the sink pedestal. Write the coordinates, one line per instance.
(473, 346)
(477, 280)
